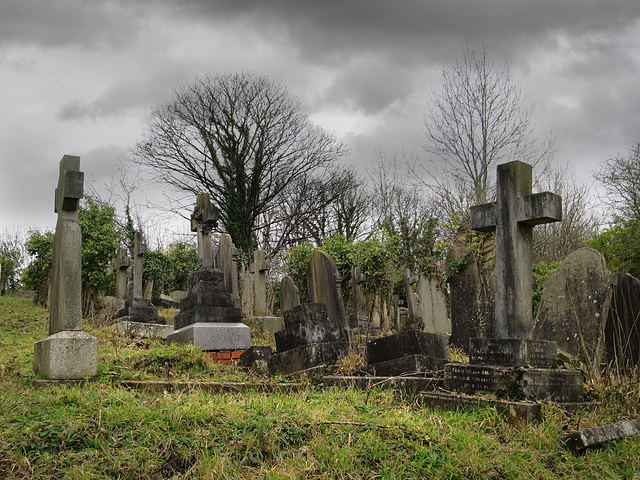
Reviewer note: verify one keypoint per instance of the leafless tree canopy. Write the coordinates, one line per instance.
(243, 139)
(621, 177)
(478, 119)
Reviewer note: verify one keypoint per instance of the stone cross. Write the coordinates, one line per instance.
(513, 217)
(227, 261)
(123, 262)
(139, 249)
(204, 219)
(259, 269)
(65, 311)
(406, 282)
(356, 279)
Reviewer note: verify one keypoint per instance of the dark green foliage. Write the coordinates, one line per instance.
(156, 267)
(183, 259)
(620, 245)
(40, 247)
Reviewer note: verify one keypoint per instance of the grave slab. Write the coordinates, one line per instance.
(213, 336)
(143, 330)
(592, 437)
(306, 357)
(405, 365)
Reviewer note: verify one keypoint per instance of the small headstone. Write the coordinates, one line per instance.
(324, 283)
(259, 269)
(433, 307)
(208, 318)
(575, 303)
(68, 352)
(622, 332)
(358, 319)
(289, 295)
(123, 262)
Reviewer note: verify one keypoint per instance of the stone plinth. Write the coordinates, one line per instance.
(265, 324)
(143, 330)
(310, 339)
(208, 318)
(141, 310)
(409, 351)
(213, 336)
(513, 352)
(66, 355)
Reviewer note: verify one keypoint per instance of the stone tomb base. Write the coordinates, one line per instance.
(407, 352)
(307, 356)
(213, 336)
(142, 330)
(265, 324)
(69, 354)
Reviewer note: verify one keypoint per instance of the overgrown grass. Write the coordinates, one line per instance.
(101, 430)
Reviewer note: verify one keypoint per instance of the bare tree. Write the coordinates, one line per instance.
(243, 139)
(621, 178)
(478, 119)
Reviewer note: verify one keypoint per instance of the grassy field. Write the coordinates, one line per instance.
(101, 430)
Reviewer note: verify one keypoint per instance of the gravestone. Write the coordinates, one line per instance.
(358, 319)
(433, 307)
(123, 262)
(512, 363)
(227, 261)
(471, 289)
(412, 308)
(289, 294)
(139, 317)
(68, 352)
(208, 318)
(324, 283)
(259, 269)
(576, 300)
(622, 332)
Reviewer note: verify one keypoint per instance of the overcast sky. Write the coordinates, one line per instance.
(80, 77)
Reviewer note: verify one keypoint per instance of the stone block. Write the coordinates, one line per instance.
(254, 354)
(209, 299)
(307, 324)
(513, 352)
(406, 364)
(307, 356)
(592, 437)
(207, 314)
(142, 330)
(411, 342)
(68, 354)
(265, 324)
(515, 383)
(208, 280)
(213, 336)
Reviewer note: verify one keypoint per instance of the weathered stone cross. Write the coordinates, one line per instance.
(123, 262)
(406, 282)
(139, 249)
(204, 219)
(513, 217)
(356, 279)
(259, 268)
(65, 312)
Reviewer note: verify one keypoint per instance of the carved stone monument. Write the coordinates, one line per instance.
(289, 294)
(358, 319)
(324, 283)
(68, 352)
(227, 261)
(406, 283)
(512, 363)
(139, 317)
(209, 318)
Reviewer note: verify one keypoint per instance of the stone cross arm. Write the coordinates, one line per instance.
(70, 184)
(535, 209)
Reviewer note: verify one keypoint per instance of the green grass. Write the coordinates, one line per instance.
(101, 430)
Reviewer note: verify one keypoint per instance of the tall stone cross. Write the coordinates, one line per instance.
(65, 311)
(259, 269)
(139, 249)
(513, 217)
(406, 282)
(356, 279)
(203, 220)
(123, 262)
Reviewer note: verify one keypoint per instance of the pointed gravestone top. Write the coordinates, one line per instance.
(289, 295)
(203, 220)
(139, 249)
(513, 217)
(227, 261)
(324, 283)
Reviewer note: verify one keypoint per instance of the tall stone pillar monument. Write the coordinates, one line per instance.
(68, 352)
